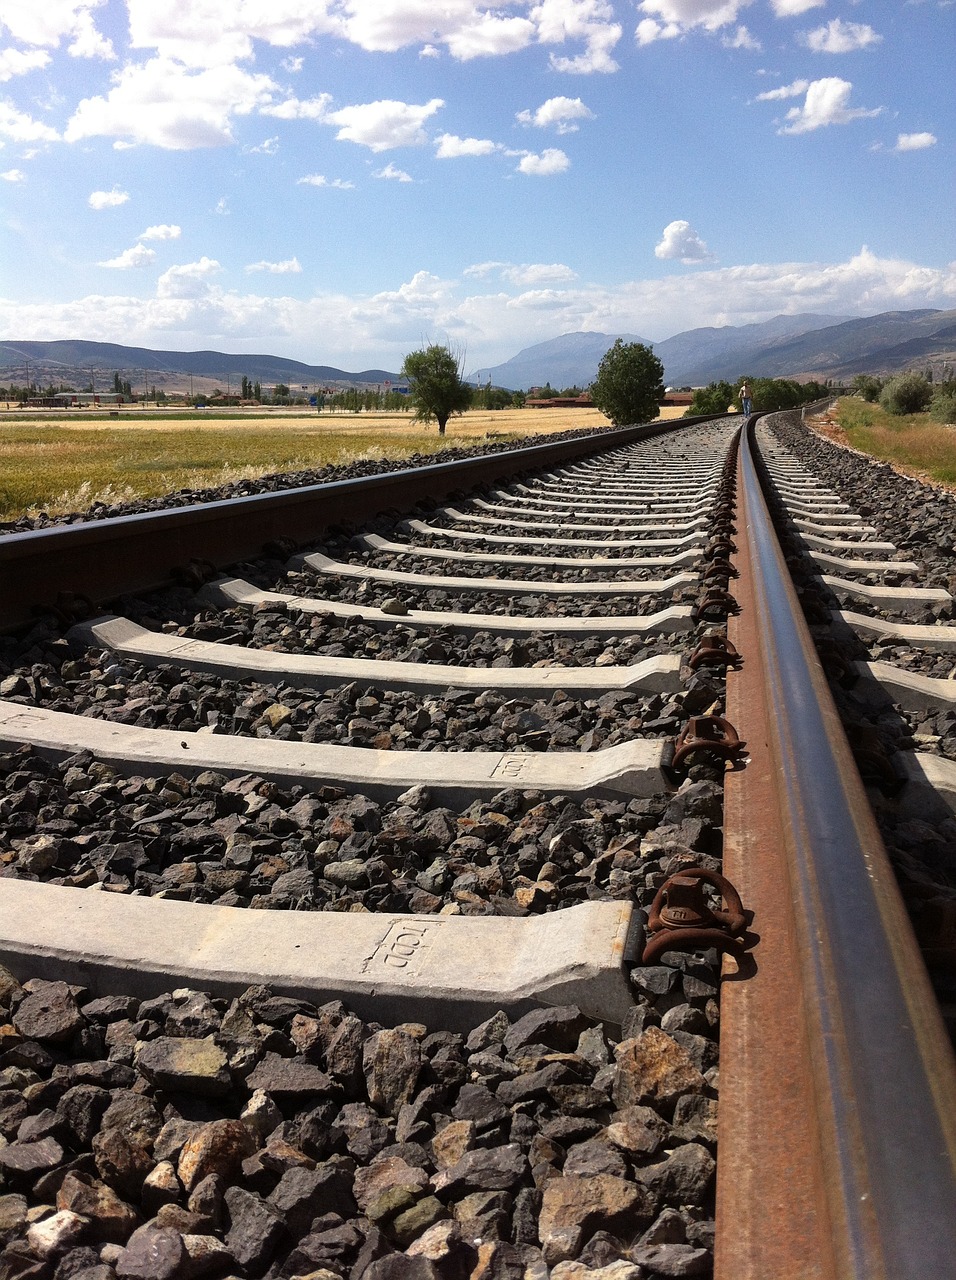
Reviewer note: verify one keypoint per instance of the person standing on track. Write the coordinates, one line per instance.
(746, 400)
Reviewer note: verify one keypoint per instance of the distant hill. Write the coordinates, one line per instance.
(71, 361)
(808, 346)
(568, 361)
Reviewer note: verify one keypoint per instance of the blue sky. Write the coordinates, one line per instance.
(339, 181)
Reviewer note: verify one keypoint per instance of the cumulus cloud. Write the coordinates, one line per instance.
(785, 91)
(590, 22)
(793, 8)
(53, 21)
(107, 199)
(384, 125)
(14, 175)
(20, 127)
(137, 256)
(682, 243)
(189, 280)
(667, 19)
(544, 165)
(299, 108)
(161, 103)
(219, 33)
(320, 180)
(915, 141)
(841, 37)
(393, 174)
(288, 267)
(268, 147)
(561, 114)
(742, 39)
(450, 147)
(162, 231)
(18, 62)
(526, 273)
(88, 42)
(826, 103)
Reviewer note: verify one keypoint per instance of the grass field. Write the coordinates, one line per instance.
(60, 463)
(913, 443)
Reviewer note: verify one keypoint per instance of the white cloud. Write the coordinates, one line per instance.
(466, 30)
(320, 180)
(299, 109)
(19, 127)
(393, 174)
(190, 280)
(107, 199)
(293, 65)
(826, 103)
(268, 147)
(163, 104)
(290, 266)
(50, 22)
(669, 18)
(524, 274)
(841, 37)
(14, 175)
(137, 256)
(384, 125)
(87, 42)
(549, 162)
(793, 8)
(742, 39)
(682, 243)
(557, 113)
(450, 147)
(915, 141)
(589, 21)
(492, 322)
(785, 91)
(18, 62)
(162, 231)
(216, 33)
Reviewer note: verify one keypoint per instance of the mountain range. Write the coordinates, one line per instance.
(799, 346)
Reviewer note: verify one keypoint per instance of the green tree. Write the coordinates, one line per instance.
(716, 397)
(908, 393)
(865, 385)
(629, 384)
(436, 385)
(517, 399)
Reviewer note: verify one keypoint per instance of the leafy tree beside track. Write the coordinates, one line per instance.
(629, 383)
(436, 385)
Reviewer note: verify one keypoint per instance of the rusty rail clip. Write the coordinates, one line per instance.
(715, 601)
(719, 568)
(707, 733)
(681, 919)
(715, 650)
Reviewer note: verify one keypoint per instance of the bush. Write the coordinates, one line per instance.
(909, 393)
(943, 407)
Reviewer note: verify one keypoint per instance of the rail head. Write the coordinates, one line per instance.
(870, 1067)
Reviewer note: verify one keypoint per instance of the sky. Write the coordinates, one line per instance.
(343, 181)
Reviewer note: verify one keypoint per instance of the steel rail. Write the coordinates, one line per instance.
(838, 1088)
(103, 559)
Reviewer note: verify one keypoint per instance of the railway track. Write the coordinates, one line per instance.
(474, 770)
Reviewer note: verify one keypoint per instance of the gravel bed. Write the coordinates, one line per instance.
(186, 1136)
(410, 563)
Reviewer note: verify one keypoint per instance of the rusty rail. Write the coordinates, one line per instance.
(838, 1088)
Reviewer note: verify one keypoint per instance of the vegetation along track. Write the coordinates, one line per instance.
(405, 921)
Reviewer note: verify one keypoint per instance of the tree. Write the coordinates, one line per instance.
(436, 385)
(716, 397)
(629, 384)
(908, 393)
(865, 385)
